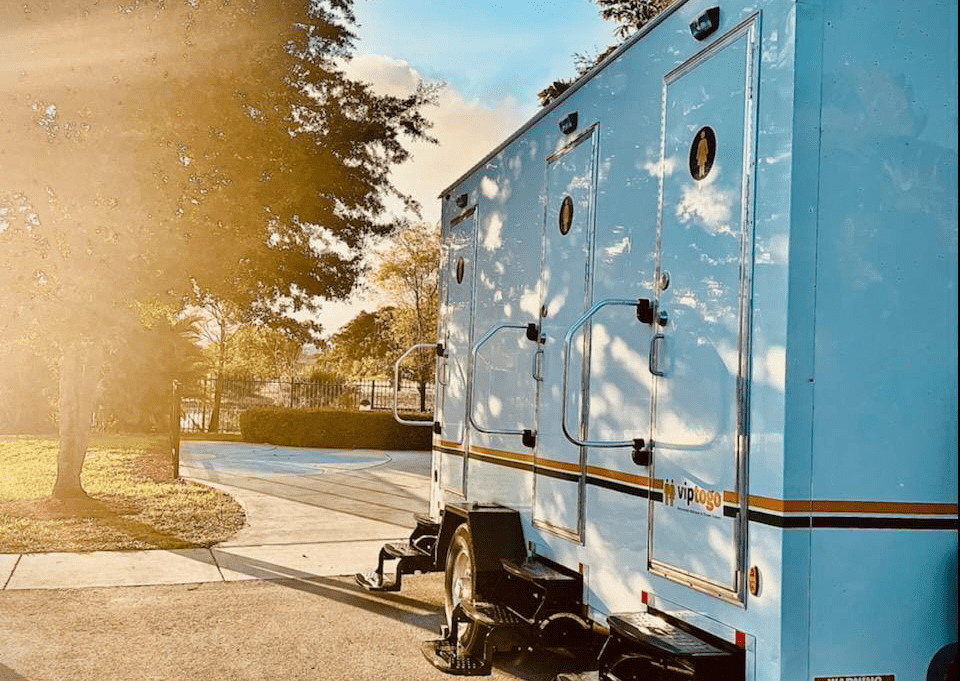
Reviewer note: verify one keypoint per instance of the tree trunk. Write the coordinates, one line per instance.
(79, 381)
(175, 428)
(214, 426)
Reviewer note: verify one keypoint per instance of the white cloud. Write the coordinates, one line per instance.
(466, 129)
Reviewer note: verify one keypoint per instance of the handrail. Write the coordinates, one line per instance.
(396, 384)
(633, 302)
(473, 356)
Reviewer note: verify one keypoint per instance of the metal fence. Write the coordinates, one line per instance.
(238, 395)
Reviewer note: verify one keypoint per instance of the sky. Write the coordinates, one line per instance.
(493, 57)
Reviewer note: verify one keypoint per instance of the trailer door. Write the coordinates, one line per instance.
(699, 355)
(456, 324)
(564, 293)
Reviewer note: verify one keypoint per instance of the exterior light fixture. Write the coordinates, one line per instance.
(568, 123)
(706, 23)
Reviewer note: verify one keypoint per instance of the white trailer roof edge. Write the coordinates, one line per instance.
(576, 85)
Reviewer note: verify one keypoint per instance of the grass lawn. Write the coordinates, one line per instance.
(136, 503)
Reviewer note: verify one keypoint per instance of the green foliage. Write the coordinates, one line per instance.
(407, 274)
(28, 391)
(364, 347)
(258, 352)
(630, 15)
(224, 155)
(337, 429)
(138, 385)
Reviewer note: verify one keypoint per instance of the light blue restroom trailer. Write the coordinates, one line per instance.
(697, 357)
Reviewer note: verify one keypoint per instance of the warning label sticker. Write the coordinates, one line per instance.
(857, 677)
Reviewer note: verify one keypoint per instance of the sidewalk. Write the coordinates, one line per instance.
(285, 538)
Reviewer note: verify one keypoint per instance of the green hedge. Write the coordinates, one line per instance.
(330, 428)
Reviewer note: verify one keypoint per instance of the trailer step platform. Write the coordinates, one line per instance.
(655, 632)
(414, 555)
(493, 615)
(427, 524)
(533, 570)
(642, 644)
(549, 590)
(450, 659)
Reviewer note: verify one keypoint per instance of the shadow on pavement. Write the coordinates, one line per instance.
(424, 615)
(7, 674)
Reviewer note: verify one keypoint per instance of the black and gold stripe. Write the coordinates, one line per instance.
(782, 513)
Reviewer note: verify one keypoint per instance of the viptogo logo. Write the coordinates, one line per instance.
(690, 497)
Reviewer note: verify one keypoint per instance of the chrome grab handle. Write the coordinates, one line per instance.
(632, 302)
(537, 369)
(396, 384)
(653, 360)
(473, 357)
(443, 368)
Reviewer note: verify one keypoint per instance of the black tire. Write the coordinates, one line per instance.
(460, 583)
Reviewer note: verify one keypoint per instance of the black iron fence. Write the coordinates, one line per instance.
(198, 407)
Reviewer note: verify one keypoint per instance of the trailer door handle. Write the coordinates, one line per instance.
(537, 369)
(444, 377)
(653, 360)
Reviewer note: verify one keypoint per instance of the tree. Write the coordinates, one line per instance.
(221, 325)
(260, 352)
(237, 346)
(630, 15)
(28, 387)
(171, 152)
(141, 371)
(408, 274)
(364, 347)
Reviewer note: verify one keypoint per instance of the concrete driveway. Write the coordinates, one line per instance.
(384, 486)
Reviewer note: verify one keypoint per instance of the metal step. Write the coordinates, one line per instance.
(374, 581)
(410, 559)
(493, 615)
(404, 550)
(450, 659)
(427, 524)
(533, 570)
(654, 632)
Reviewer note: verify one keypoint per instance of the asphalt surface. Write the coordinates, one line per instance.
(276, 601)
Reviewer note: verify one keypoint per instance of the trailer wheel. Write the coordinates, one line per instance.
(460, 582)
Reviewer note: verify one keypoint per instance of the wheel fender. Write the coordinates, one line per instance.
(496, 532)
